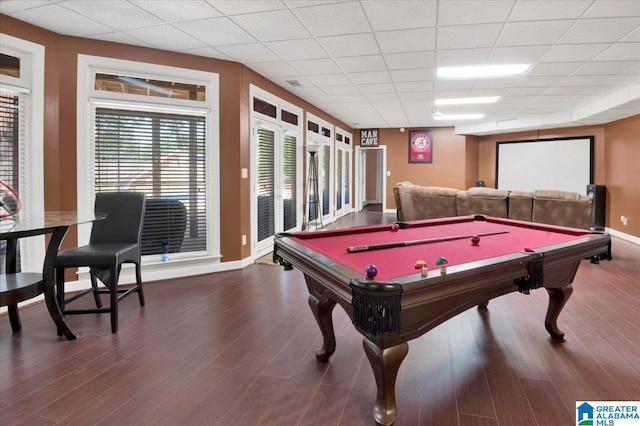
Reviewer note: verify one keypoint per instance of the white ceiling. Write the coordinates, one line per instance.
(371, 63)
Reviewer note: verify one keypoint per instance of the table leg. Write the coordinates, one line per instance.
(10, 267)
(49, 279)
(322, 313)
(557, 299)
(385, 364)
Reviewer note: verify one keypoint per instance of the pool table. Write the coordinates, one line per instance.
(400, 299)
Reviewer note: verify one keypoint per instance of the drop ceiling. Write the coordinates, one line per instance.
(372, 64)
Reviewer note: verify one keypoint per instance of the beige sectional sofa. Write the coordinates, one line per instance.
(414, 202)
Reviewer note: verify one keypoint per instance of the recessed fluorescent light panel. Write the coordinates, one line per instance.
(467, 101)
(440, 116)
(481, 71)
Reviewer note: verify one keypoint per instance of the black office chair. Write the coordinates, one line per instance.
(114, 241)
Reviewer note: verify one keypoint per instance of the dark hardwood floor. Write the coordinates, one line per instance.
(237, 348)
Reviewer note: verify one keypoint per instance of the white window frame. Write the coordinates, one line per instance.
(88, 98)
(31, 82)
(280, 128)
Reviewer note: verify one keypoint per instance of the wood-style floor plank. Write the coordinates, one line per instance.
(237, 348)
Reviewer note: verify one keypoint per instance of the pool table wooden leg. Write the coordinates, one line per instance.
(558, 297)
(322, 313)
(385, 364)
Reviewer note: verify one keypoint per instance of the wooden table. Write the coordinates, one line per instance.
(56, 224)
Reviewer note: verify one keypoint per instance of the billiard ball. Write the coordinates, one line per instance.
(420, 264)
(371, 271)
(475, 240)
(395, 227)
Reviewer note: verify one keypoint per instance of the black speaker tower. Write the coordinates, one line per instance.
(599, 206)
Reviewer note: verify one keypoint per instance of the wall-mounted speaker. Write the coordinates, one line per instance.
(599, 206)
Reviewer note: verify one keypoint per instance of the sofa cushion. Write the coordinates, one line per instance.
(520, 205)
(487, 201)
(562, 208)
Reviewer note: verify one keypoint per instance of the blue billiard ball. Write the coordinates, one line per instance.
(371, 271)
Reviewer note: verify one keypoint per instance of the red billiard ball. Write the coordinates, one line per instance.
(420, 264)
(475, 240)
(395, 227)
(371, 271)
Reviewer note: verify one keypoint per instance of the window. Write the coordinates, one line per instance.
(162, 155)
(21, 140)
(153, 129)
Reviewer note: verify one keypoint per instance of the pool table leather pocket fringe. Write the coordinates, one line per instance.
(534, 278)
(376, 306)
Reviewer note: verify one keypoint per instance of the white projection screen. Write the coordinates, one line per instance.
(563, 164)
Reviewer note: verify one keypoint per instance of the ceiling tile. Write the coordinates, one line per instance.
(470, 36)
(555, 68)
(216, 32)
(251, 52)
(632, 36)
(296, 50)
(246, 6)
(178, 10)
(118, 14)
(260, 25)
(330, 80)
(605, 68)
(407, 40)
(399, 61)
(532, 33)
(316, 66)
(119, 37)
(414, 86)
(574, 52)
(400, 15)
(333, 19)
(600, 30)
(621, 52)
(341, 90)
(450, 58)
(208, 52)
(63, 21)
(463, 12)
(350, 45)
(417, 74)
(548, 9)
(370, 77)
(517, 54)
(13, 6)
(166, 37)
(367, 89)
(274, 69)
(538, 81)
(362, 63)
(611, 8)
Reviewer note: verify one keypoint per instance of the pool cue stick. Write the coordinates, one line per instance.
(356, 249)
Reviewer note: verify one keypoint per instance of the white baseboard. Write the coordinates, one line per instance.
(628, 237)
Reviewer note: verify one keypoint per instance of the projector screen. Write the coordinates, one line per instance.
(563, 164)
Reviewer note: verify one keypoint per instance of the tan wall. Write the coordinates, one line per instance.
(447, 169)
(622, 174)
(60, 122)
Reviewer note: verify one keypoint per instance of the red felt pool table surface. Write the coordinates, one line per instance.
(400, 261)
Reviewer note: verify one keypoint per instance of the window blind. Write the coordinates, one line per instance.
(339, 179)
(13, 124)
(326, 178)
(290, 183)
(265, 182)
(162, 155)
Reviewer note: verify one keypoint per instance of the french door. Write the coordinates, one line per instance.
(277, 183)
